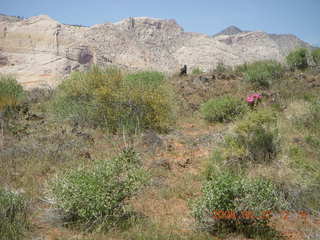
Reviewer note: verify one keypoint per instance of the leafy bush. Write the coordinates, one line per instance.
(11, 93)
(196, 71)
(108, 99)
(223, 109)
(255, 138)
(298, 59)
(237, 204)
(315, 54)
(97, 196)
(263, 73)
(13, 215)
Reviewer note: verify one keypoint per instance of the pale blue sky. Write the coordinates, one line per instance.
(299, 17)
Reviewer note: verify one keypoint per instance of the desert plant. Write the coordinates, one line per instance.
(315, 54)
(237, 204)
(221, 67)
(263, 73)
(255, 137)
(310, 120)
(223, 109)
(108, 99)
(196, 71)
(11, 93)
(298, 59)
(151, 100)
(97, 196)
(13, 215)
(241, 68)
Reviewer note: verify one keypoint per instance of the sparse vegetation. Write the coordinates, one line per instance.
(13, 215)
(261, 74)
(298, 59)
(223, 109)
(254, 160)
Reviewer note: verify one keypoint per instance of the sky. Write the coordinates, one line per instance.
(298, 17)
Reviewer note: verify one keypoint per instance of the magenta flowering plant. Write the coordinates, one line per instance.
(250, 99)
(253, 98)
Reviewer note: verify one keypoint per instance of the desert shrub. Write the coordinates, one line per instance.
(151, 100)
(13, 215)
(222, 109)
(97, 196)
(315, 54)
(263, 73)
(221, 67)
(255, 138)
(196, 71)
(237, 204)
(298, 59)
(241, 68)
(310, 120)
(110, 100)
(11, 93)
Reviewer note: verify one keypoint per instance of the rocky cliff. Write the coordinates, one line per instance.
(40, 50)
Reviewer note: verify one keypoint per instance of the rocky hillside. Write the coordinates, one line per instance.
(231, 30)
(40, 50)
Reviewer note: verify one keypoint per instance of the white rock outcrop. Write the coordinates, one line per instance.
(40, 50)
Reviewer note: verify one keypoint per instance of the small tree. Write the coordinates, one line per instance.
(298, 59)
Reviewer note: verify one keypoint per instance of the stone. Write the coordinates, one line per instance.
(184, 163)
(3, 60)
(151, 139)
(164, 163)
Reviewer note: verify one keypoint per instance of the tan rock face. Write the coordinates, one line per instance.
(40, 50)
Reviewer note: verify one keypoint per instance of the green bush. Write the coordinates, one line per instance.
(255, 138)
(223, 109)
(110, 100)
(196, 71)
(97, 196)
(298, 59)
(13, 215)
(263, 73)
(235, 204)
(315, 54)
(11, 93)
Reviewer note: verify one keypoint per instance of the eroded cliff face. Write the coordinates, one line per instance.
(42, 51)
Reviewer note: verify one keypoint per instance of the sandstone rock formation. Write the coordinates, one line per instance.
(40, 50)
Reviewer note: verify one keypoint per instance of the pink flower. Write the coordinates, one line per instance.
(256, 96)
(250, 99)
